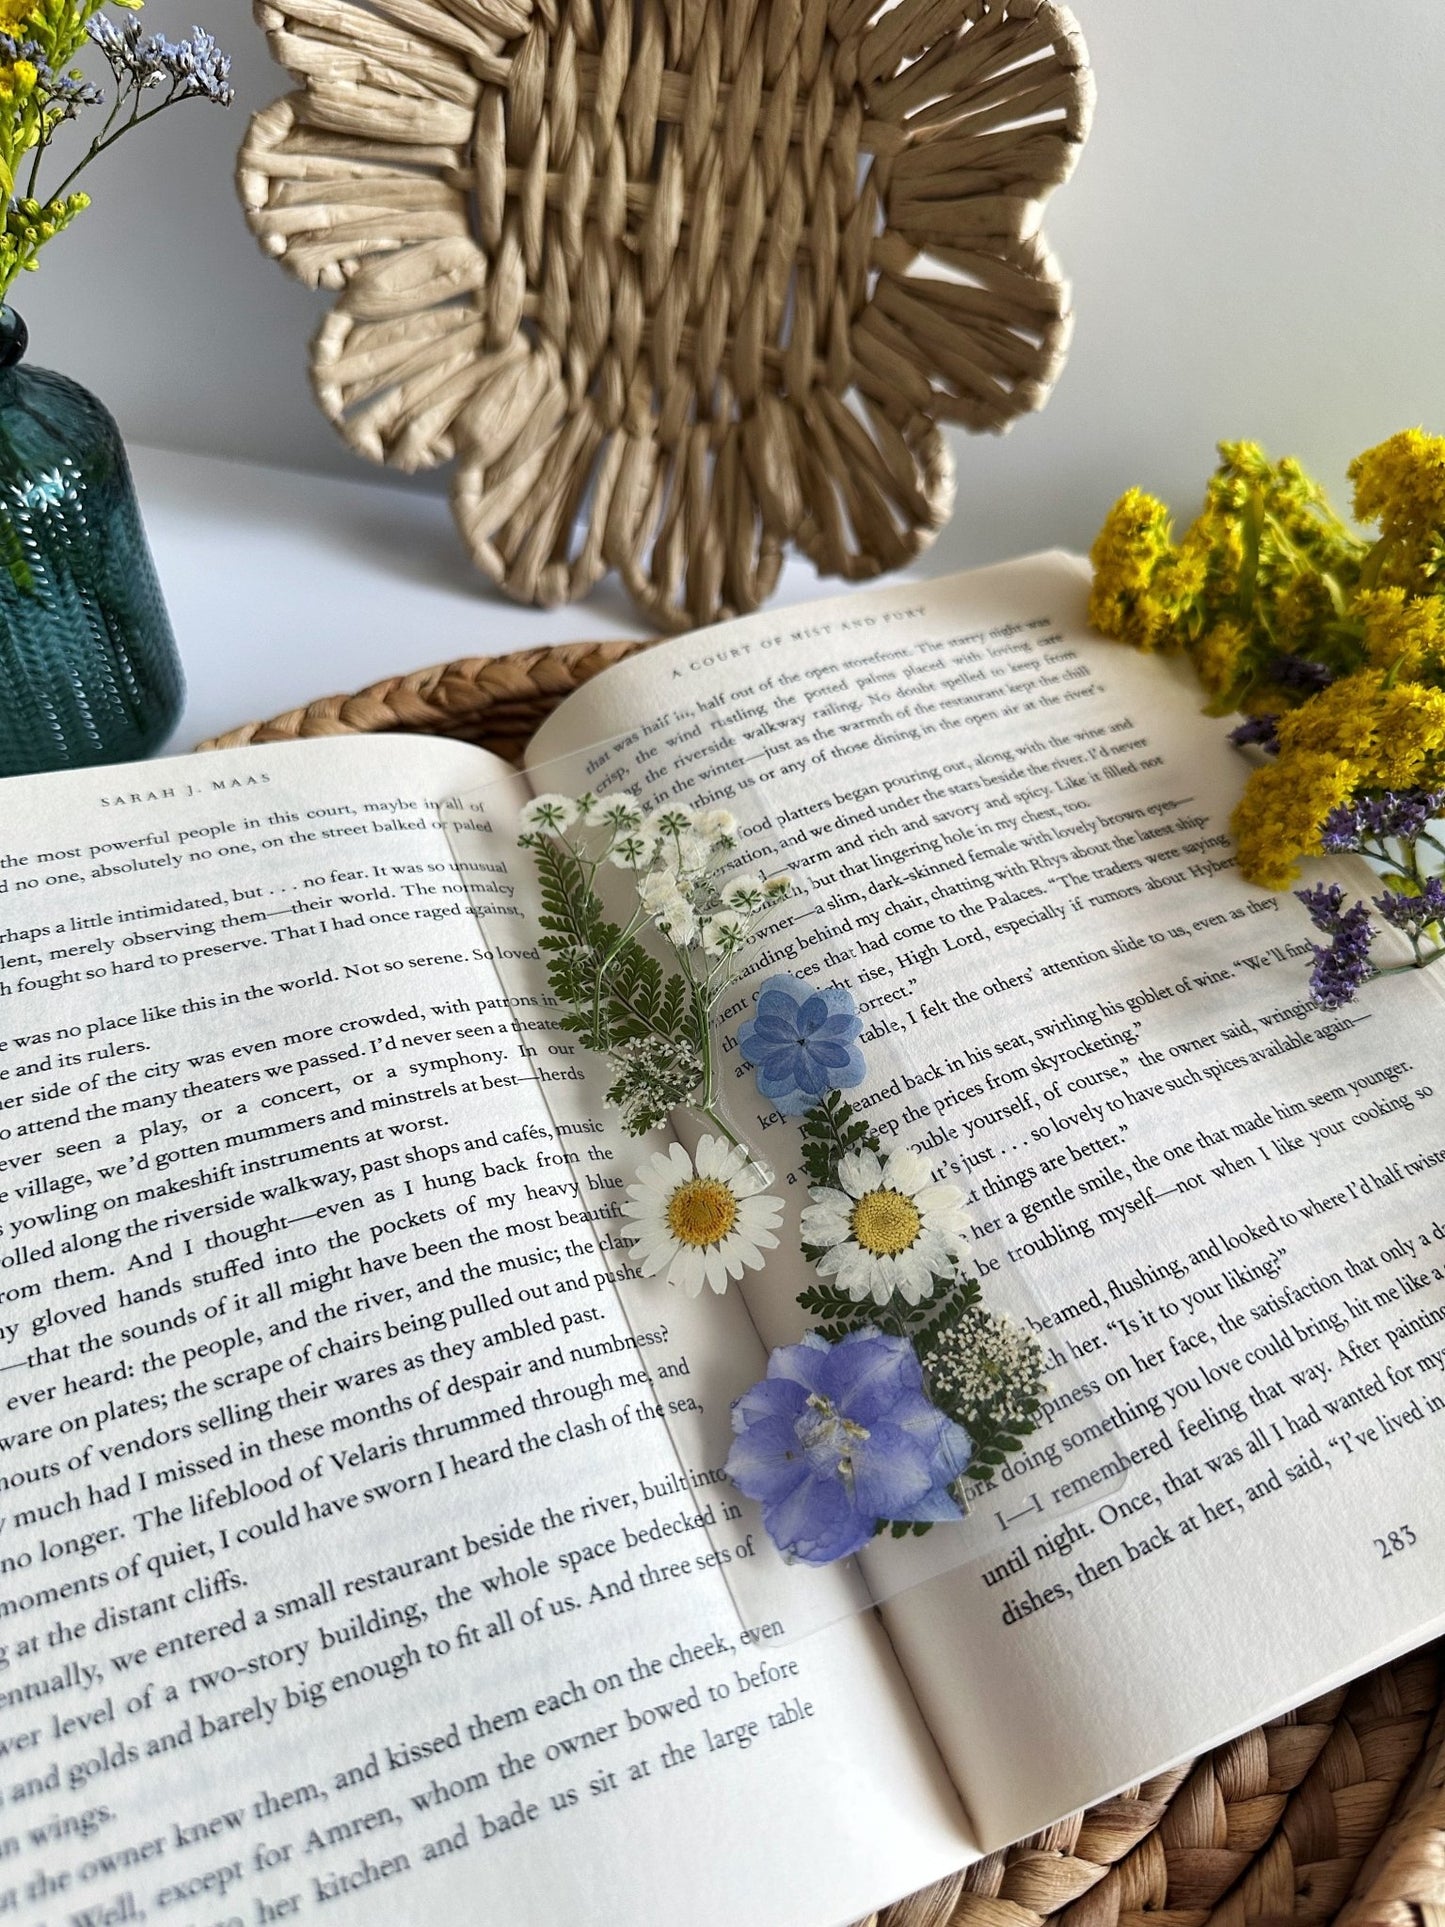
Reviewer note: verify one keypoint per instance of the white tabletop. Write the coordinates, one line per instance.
(285, 586)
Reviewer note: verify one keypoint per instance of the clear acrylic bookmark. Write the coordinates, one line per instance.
(699, 1355)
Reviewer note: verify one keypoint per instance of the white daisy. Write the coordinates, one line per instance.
(724, 933)
(890, 1228)
(701, 1222)
(552, 813)
(619, 811)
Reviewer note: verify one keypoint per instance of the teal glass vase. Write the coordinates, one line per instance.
(88, 665)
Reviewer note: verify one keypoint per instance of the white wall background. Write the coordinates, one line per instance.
(1254, 234)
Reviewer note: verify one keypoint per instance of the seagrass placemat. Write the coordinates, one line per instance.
(1336, 1812)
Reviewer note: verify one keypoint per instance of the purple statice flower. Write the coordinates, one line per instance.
(1412, 913)
(1401, 813)
(1340, 831)
(192, 68)
(803, 1043)
(1343, 964)
(1323, 902)
(838, 1439)
(66, 92)
(1261, 731)
(1300, 675)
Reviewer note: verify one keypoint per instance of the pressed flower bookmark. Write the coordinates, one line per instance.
(906, 1387)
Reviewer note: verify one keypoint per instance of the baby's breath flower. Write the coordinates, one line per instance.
(717, 825)
(779, 885)
(744, 893)
(669, 822)
(619, 811)
(633, 850)
(724, 933)
(658, 891)
(678, 921)
(550, 812)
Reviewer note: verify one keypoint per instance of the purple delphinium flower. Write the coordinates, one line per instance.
(803, 1042)
(839, 1438)
(1262, 731)
(1343, 964)
(1413, 913)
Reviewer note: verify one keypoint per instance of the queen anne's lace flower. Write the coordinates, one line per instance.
(633, 850)
(675, 287)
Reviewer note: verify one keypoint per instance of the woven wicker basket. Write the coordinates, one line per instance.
(671, 288)
(1335, 1812)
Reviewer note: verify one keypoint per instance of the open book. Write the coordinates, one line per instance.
(348, 1566)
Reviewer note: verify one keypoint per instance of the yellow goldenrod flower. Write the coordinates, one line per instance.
(1393, 732)
(1341, 721)
(1400, 483)
(1219, 656)
(1277, 820)
(1403, 635)
(1127, 552)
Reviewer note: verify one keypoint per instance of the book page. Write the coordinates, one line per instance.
(344, 1556)
(1226, 1199)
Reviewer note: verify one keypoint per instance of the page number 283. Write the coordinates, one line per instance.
(1400, 1540)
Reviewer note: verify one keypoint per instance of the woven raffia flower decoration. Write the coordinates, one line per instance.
(674, 283)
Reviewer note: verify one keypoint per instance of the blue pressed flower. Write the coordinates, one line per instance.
(803, 1043)
(840, 1438)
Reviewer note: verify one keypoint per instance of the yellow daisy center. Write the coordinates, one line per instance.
(701, 1212)
(885, 1223)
